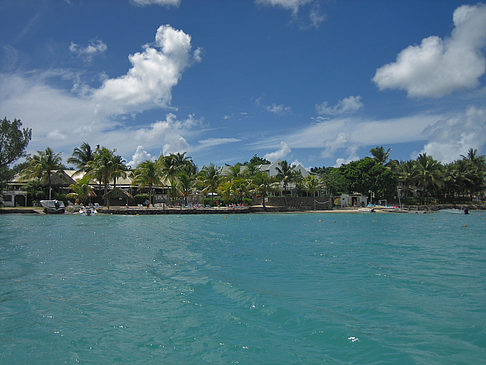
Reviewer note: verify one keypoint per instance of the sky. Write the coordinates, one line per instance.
(318, 82)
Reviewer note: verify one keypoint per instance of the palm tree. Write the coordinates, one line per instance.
(406, 175)
(380, 155)
(285, 174)
(312, 184)
(263, 185)
(210, 178)
(81, 156)
(476, 171)
(147, 174)
(119, 168)
(172, 165)
(184, 185)
(234, 172)
(427, 174)
(102, 168)
(42, 165)
(82, 190)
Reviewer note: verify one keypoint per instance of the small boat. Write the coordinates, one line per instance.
(456, 211)
(366, 210)
(87, 211)
(53, 206)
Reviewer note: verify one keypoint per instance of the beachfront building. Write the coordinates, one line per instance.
(16, 195)
(14, 198)
(271, 169)
(351, 200)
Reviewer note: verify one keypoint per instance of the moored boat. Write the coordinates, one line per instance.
(53, 206)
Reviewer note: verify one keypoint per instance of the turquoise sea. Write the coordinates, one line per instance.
(243, 289)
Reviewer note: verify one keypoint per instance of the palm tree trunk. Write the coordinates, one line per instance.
(105, 190)
(150, 194)
(49, 183)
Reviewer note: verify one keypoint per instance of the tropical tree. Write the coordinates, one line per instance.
(427, 174)
(185, 184)
(380, 155)
(102, 168)
(209, 179)
(81, 157)
(312, 184)
(334, 181)
(476, 171)
(263, 185)
(82, 190)
(42, 166)
(172, 165)
(119, 168)
(13, 141)
(147, 174)
(285, 173)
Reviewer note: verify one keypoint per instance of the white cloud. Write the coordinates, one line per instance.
(346, 105)
(140, 156)
(93, 48)
(154, 73)
(292, 5)
(157, 2)
(452, 136)
(438, 66)
(352, 155)
(211, 142)
(62, 118)
(316, 17)
(344, 136)
(277, 109)
(281, 153)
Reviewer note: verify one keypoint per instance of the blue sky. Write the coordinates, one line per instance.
(315, 81)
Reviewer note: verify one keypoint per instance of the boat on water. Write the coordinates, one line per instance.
(88, 211)
(53, 206)
(456, 211)
(366, 210)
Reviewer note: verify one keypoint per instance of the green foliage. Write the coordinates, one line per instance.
(82, 191)
(255, 160)
(147, 174)
(105, 166)
(13, 141)
(367, 175)
(81, 157)
(42, 165)
(141, 198)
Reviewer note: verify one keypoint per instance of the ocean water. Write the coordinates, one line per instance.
(243, 289)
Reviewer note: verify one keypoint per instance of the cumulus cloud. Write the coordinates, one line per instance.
(346, 105)
(170, 133)
(438, 66)
(153, 74)
(452, 136)
(140, 156)
(92, 49)
(279, 154)
(61, 118)
(157, 2)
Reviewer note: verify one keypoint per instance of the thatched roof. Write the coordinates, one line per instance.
(60, 178)
(118, 193)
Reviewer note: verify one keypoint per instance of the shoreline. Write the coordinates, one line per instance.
(255, 209)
